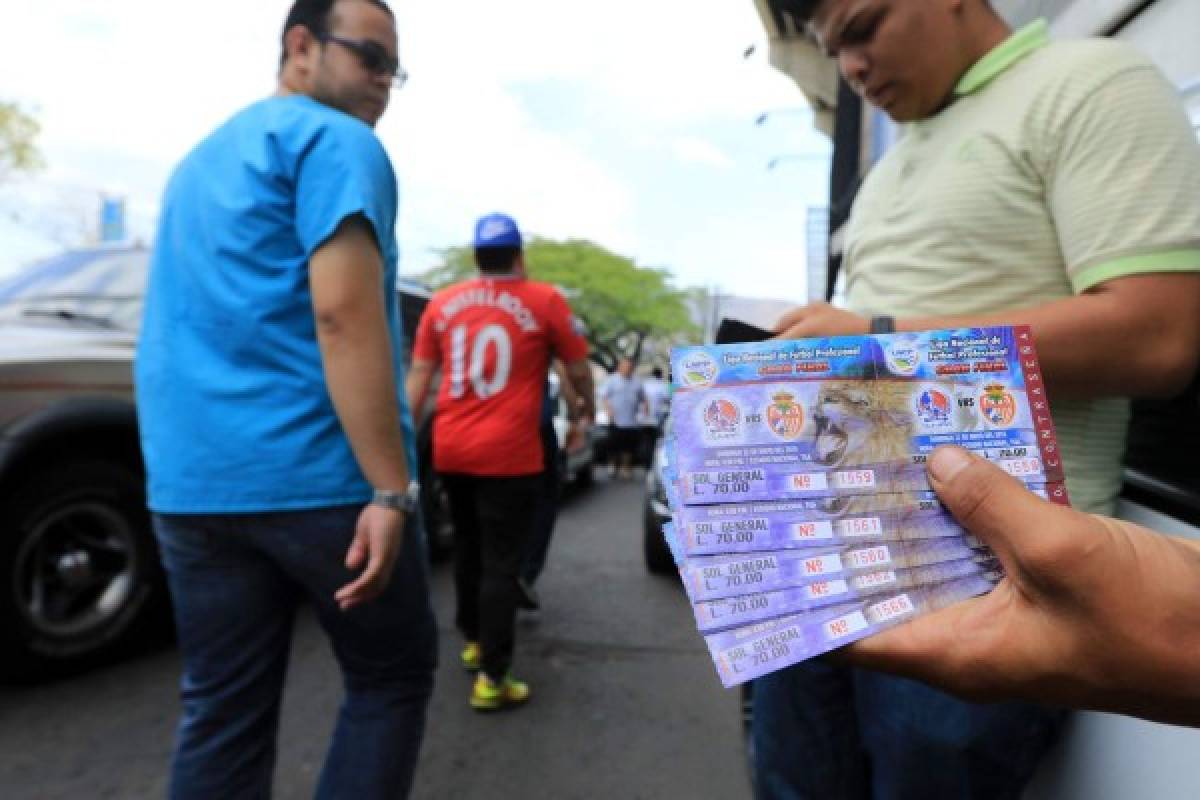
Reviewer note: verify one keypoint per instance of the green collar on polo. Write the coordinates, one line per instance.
(1020, 44)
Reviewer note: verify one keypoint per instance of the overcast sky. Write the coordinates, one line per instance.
(627, 122)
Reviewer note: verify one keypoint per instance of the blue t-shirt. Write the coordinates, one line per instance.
(234, 412)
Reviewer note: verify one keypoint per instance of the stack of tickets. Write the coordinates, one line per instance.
(802, 515)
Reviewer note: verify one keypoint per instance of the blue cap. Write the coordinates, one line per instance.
(497, 230)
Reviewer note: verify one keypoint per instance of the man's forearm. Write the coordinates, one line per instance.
(1106, 343)
(567, 387)
(579, 374)
(420, 376)
(362, 384)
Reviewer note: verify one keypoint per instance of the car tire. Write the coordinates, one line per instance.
(654, 546)
(747, 709)
(81, 575)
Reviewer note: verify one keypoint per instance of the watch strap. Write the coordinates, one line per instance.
(405, 501)
(883, 324)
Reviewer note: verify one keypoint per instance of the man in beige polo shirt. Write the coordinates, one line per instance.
(1053, 185)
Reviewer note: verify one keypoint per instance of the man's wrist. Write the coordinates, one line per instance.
(882, 324)
(405, 501)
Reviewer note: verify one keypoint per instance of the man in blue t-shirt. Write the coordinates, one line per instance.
(276, 435)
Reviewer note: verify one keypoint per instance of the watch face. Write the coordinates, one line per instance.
(412, 497)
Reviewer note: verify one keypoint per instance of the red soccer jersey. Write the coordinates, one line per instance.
(493, 338)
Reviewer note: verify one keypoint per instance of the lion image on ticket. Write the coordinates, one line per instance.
(859, 423)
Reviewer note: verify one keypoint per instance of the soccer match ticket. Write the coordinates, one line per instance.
(815, 522)
(731, 612)
(714, 577)
(855, 415)
(751, 651)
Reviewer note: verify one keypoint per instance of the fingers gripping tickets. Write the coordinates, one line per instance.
(802, 516)
(1093, 612)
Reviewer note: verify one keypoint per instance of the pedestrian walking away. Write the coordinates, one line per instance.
(1049, 184)
(277, 442)
(625, 402)
(493, 338)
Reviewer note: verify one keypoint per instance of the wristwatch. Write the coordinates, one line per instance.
(405, 501)
(883, 325)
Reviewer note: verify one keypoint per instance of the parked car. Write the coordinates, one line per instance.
(80, 579)
(656, 512)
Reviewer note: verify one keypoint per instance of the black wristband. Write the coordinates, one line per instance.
(883, 325)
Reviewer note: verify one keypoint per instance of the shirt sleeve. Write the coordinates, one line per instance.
(566, 335)
(344, 172)
(1124, 188)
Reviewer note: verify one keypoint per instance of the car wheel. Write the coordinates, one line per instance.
(654, 546)
(80, 570)
(747, 708)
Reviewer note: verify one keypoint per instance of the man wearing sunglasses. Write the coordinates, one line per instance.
(277, 439)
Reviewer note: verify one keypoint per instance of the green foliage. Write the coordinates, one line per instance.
(622, 304)
(18, 131)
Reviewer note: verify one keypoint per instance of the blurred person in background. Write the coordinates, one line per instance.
(279, 451)
(624, 402)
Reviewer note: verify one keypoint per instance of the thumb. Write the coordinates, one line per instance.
(358, 546)
(994, 506)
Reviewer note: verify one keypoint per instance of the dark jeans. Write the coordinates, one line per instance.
(492, 519)
(236, 582)
(546, 511)
(825, 731)
(624, 441)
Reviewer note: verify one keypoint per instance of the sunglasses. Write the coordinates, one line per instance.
(372, 56)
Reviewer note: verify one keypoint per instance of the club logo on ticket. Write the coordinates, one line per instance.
(934, 407)
(785, 416)
(722, 420)
(997, 405)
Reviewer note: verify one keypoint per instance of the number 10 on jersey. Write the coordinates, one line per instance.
(468, 359)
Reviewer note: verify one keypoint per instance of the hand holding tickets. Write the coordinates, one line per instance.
(802, 514)
(1093, 612)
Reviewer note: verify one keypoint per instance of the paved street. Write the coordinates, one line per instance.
(626, 703)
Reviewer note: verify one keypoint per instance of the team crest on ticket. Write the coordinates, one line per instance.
(933, 407)
(903, 357)
(997, 405)
(722, 419)
(785, 417)
(699, 369)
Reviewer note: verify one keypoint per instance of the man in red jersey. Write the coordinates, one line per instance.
(493, 338)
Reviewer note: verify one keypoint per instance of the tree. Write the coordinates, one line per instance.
(622, 305)
(18, 131)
